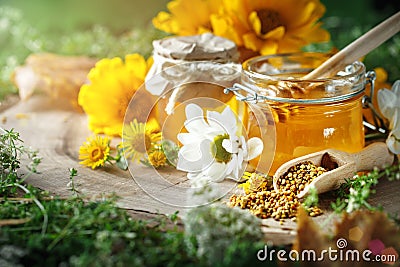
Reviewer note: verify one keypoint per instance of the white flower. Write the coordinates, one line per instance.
(389, 105)
(393, 140)
(212, 149)
(389, 101)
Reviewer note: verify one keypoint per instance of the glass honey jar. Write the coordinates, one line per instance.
(309, 115)
(187, 69)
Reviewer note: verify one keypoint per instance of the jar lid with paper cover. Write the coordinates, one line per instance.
(186, 68)
(196, 58)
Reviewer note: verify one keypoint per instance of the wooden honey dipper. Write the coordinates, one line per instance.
(354, 51)
(358, 48)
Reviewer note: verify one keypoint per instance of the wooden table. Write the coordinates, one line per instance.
(57, 131)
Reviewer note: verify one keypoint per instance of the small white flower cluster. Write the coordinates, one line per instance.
(216, 227)
(389, 105)
(212, 149)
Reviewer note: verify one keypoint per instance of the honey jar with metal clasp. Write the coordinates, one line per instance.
(309, 115)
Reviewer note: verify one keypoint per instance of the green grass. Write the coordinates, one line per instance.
(39, 230)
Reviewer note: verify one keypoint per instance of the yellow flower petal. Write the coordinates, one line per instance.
(138, 139)
(275, 34)
(95, 151)
(223, 26)
(183, 21)
(255, 22)
(136, 65)
(112, 84)
(165, 22)
(157, 159)
(265, 47)
(269, 47)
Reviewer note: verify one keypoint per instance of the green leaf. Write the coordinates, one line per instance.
(122, 163)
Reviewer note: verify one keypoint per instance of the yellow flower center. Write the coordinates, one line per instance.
(157, 159)
(96, 153)
(141, 144)
(270, 20)
(219, 152)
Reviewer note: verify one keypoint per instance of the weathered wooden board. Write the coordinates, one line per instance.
(57, 131)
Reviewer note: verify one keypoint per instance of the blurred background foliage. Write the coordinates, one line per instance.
(103, 28)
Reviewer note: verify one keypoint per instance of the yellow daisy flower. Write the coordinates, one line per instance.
(273, 26)
(183, 21)
(106, 97)
(157, 158)
(95, 151)
(138, 139)
(255, 183)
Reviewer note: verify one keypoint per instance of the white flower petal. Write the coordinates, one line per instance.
(230, 145)
(255, 147)
(214, 119)
(231, 165)
(240, 156)
(236, 165)
(387, 101)
(243, 144)
(393, 140)
(186, 165)
(227, 144)
(195, 121)
(396, 88)
(216, 172)
(393, 144)
(225, 121)
(211, 133)
(190, 152)
(196, 125)
(193, 111)
(395, 122)
(229, 115)
(193, 157)
(189, 138)
(207, 157)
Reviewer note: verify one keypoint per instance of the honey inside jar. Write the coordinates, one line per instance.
(309, 116)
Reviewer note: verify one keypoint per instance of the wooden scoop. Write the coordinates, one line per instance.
(374, 155)
(358, 48)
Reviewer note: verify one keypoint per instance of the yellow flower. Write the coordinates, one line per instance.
(183, 21)
(138, 139)
(255, 182)
(273, 26)
(95, 151)
(112, 84)
(157, 158)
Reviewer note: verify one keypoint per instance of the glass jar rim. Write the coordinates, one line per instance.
(358, 70)
(252, 61)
